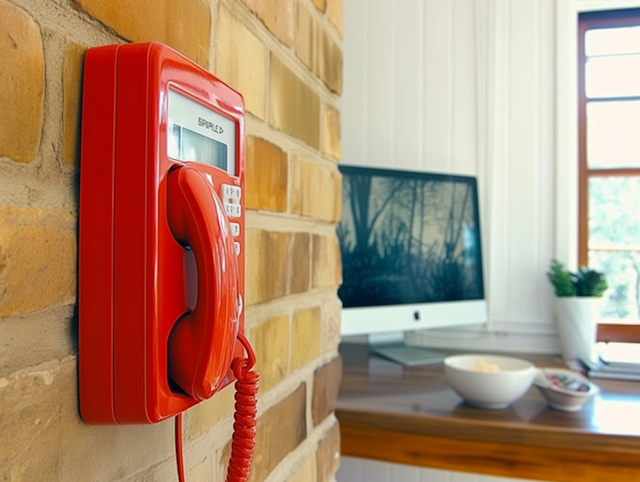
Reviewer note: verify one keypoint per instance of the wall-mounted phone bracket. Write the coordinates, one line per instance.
(161, 234)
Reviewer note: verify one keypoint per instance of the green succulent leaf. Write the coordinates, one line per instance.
(586, 282)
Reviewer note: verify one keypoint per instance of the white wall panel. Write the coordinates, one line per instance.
(492, 17)
(463, 102)
(437, 87)
(379, 83)
(353, 102)
(404, 473)
(522, 195)
(434, 475)
(363, 470)
(374, 471)
(461, 477)
(408, 71)
(350, 469)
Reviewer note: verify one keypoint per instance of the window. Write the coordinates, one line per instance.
(609, 163)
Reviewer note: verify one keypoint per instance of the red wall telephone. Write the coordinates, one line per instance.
(161, 234)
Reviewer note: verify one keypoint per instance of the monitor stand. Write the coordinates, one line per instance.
(392, 347)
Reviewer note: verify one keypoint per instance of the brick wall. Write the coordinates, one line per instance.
(285, 57)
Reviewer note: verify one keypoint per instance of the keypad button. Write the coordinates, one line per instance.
(231, 194)
(232, 210)
(235, 229)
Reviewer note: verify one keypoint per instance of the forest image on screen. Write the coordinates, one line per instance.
(408, 238)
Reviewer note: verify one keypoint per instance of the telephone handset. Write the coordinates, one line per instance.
(201, 343)
(161, 189)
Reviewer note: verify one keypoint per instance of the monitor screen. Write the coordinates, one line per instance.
(411, 251)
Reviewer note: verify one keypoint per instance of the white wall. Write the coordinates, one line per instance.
(466, 86)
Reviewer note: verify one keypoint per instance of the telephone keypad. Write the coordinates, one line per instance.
(231, 200)
(231, 196)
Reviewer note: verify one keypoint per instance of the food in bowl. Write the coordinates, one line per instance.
(489, 381)
(485, 366)
(565, 390)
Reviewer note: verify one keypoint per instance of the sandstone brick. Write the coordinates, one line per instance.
(267, 254)
(280, 430)
(294, 106)
(37, 259)
(316, 48)
(316, 191)
(300, 263)
(321, 5)
(305, 338)
(267, 176)
(270, 341)
(335, 15)
(21, 84)
(331, 132)
(49, 334)
(183, 24)
(306, 38)
(327, 262)
(71, 75)
(328, 454)
(326, 383)
(35, 404)
(204, 471)
(277, 16)
(241, 61)
(300, 183)
(206, 414)
(280, 263)
(306, 472)
(43, 438)
(330, 62)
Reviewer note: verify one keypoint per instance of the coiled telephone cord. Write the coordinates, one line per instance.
(243, 440)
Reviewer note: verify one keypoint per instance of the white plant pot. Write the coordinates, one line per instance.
(577, 327)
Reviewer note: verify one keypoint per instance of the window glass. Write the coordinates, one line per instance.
(621, 299)
(614, 203)
(614, 242)
(613, 76)
(613, 134)
(608, 41)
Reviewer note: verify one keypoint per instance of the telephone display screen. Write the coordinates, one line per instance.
(199, 134)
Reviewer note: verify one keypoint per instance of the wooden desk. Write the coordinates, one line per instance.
(412, 416)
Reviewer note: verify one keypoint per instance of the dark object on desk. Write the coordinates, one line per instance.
(408, 356)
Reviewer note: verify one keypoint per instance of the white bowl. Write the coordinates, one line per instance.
(471, 378)
(565, 389)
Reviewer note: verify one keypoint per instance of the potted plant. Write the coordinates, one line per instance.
(575, 307)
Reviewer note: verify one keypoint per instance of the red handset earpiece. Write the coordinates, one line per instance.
(202, 342)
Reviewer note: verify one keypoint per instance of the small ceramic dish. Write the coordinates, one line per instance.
(565, 390)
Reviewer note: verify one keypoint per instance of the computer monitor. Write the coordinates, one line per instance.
(411, 252)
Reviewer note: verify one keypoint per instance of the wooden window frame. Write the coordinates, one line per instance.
(599, 19)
